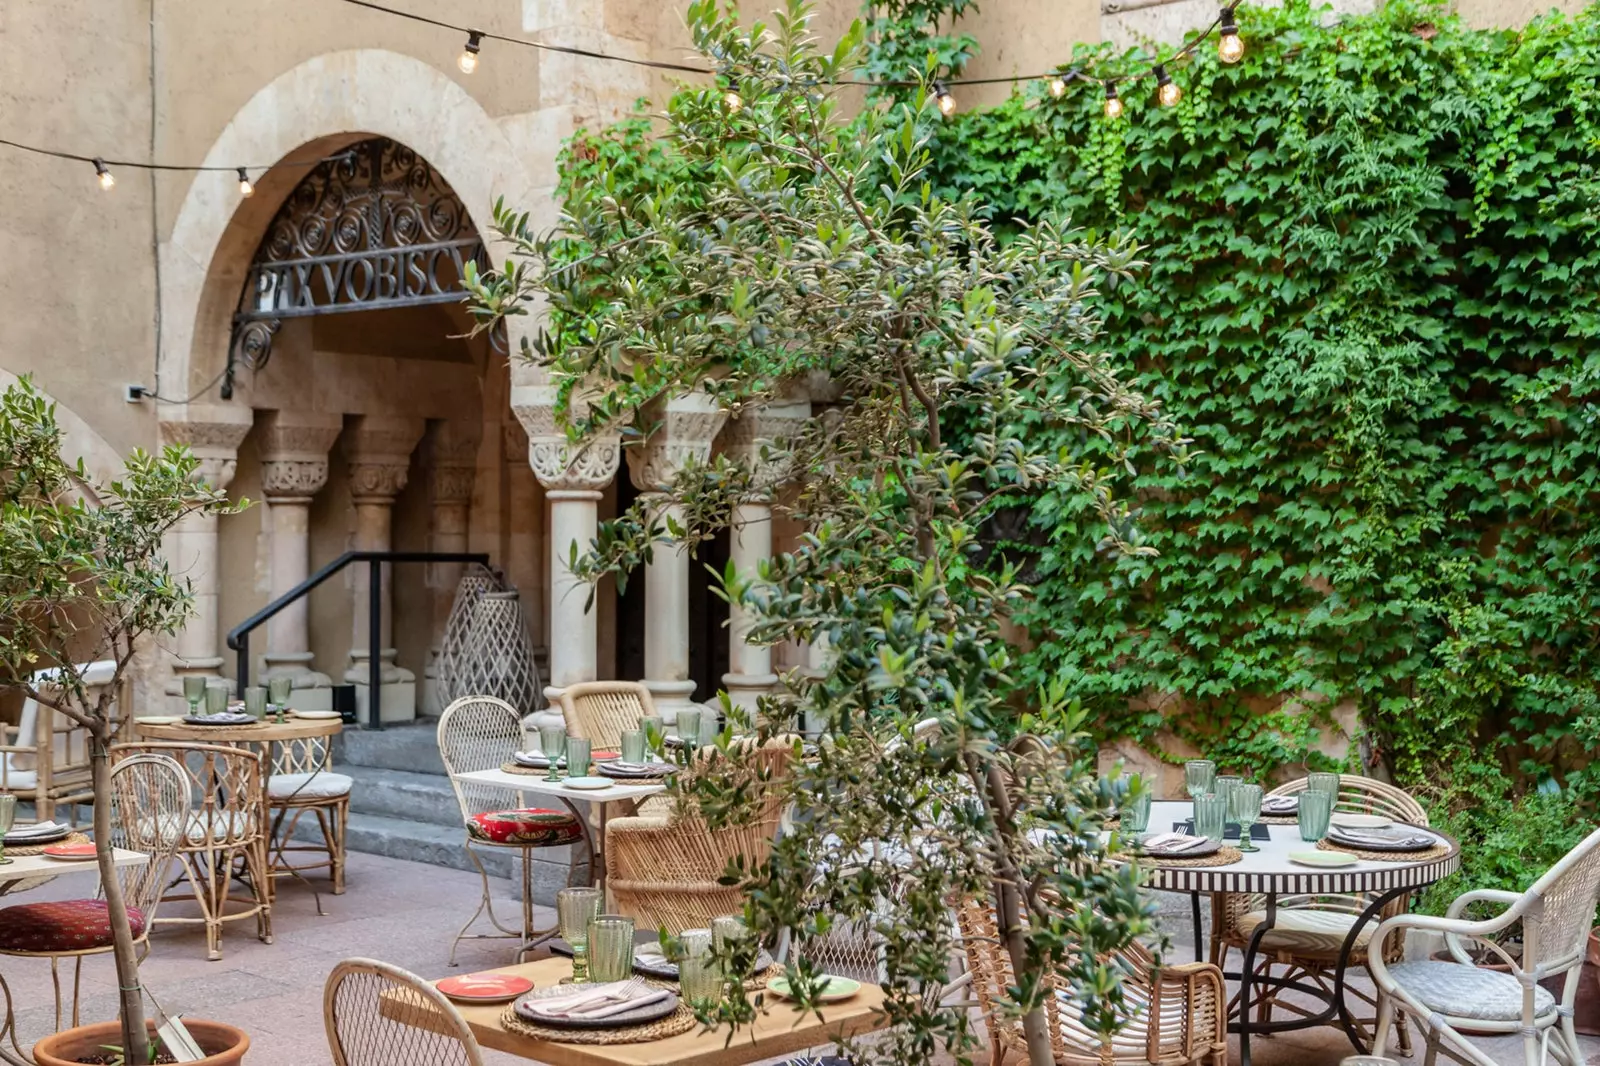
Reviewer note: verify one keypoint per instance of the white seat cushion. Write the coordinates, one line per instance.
(1459, 991)
(223, 827)
(321, 785)
(21, 780)
(1315, 932)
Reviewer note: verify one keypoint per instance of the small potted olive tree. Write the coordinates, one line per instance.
(83, 580)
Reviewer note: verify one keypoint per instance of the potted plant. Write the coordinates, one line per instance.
(765, 243)
(84, 579)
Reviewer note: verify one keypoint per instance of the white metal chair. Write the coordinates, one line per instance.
(482, 733)
(1449, 999)
(59, 929)
(380, 1015)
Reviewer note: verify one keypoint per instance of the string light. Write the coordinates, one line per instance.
(468, 59)
(1167, 91)
(245, 188)
(1058, 86)
(1230, 46)
(1113, 103)
(946, 102)
(107, 180)
(734, 102)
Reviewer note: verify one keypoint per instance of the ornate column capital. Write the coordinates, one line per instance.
(452, 457)
(559, 464)
(688, 426)
(294, 453)
(378, 449)
(768, 425)
(212, 433)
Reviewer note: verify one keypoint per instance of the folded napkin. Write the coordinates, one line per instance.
(593, 1004)
(222, 718)
(38, 829)
(1280, 804)
(1413, 841)
(534, 760)
(1172, 842)
(642, 769)
(651, 955)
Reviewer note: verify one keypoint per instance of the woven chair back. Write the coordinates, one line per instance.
(380, 1015)
(147, 792)
(225, 793)
(1555, 927)
(1365, 795)
(479, 733)
(603, 710)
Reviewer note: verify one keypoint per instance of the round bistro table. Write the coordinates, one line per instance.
(1269, 872)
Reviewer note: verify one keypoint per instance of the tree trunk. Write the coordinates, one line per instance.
(1008, 912)
(135, 1040)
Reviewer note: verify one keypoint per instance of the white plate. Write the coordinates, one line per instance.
(589, 783)
(315, 716)
(1323, 858)
(159, 719)
(1361, 821)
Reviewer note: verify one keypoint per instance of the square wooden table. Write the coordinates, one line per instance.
(778, 1031)
(41, 868)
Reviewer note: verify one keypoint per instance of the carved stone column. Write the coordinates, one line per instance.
(378, 449)
(527, 554)
(573, 476)
(452, 464)
(689, 424)
(294, 468)
(750, 672)
(213, 434)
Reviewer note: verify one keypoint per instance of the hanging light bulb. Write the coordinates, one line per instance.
(1113, 103)
(946, 102)
(245, 188)
(1058, 86)
(1230, 46)
(733, 101)
(468, 59)
(1167, 91)
(107, 180)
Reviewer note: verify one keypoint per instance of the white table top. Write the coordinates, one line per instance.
(1270, 869)
(31, 867)
(535, 783)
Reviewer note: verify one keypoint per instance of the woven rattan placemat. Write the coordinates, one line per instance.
(527, 771)
(679, 1021)
(1227, 855)
(20, 850)
(1438, 851)
(1279, 819)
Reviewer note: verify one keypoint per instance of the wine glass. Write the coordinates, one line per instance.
(1246, 810)
(576, 908)
(279, 691)
(1199, 775)
(553, 742)
(194, 690)
(8, 816)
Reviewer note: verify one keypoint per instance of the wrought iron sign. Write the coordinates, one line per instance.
(370, 229)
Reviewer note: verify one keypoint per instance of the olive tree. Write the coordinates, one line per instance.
(764, 242)
(82, 578)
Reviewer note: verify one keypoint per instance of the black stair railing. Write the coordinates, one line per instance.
(239, 635)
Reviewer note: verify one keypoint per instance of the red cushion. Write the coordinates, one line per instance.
(529, 828)
(68, 925)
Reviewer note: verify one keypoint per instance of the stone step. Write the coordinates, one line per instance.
(412, 748)
(403, 795)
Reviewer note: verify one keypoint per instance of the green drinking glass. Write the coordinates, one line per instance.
(710, 727)
(610, 948)
(1328, 783)
(578, 751)
(688, 726)
(576, 908)
(1315, 809)
(654, 728)
(1199, 775)
(255, 701)
(8, 818)
(1245, 808)
(1136, 810)
(700, 980)
(1210, 816)
(216, 699)
(279, 690)
(1223, 786)
(633, 745)
(553, 742)
(194, 690)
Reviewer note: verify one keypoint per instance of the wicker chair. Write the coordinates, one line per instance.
(303, 781)
(482, 733)
(1448, 999)
(1175, 1015)
(662, 869)
(226, 825)
(603, 710)
(44, 758)
(380, 1015)
(140, 786)
(1308, 934)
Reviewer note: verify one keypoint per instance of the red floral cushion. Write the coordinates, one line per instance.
(67, 925)
(531, 828)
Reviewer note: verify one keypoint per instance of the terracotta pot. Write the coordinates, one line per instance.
(223, 1044)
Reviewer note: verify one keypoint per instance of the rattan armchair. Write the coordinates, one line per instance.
(44, 758)
(303, 781)
(663, 869)
(1173, 1016)
(1309, 933)
(380, 1015)
(603, 710)
(1449, 999)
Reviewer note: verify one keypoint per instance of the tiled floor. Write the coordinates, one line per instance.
(400, 912)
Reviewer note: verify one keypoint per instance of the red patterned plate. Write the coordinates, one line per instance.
(604, 756)
(70, 852)
(485, 987)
